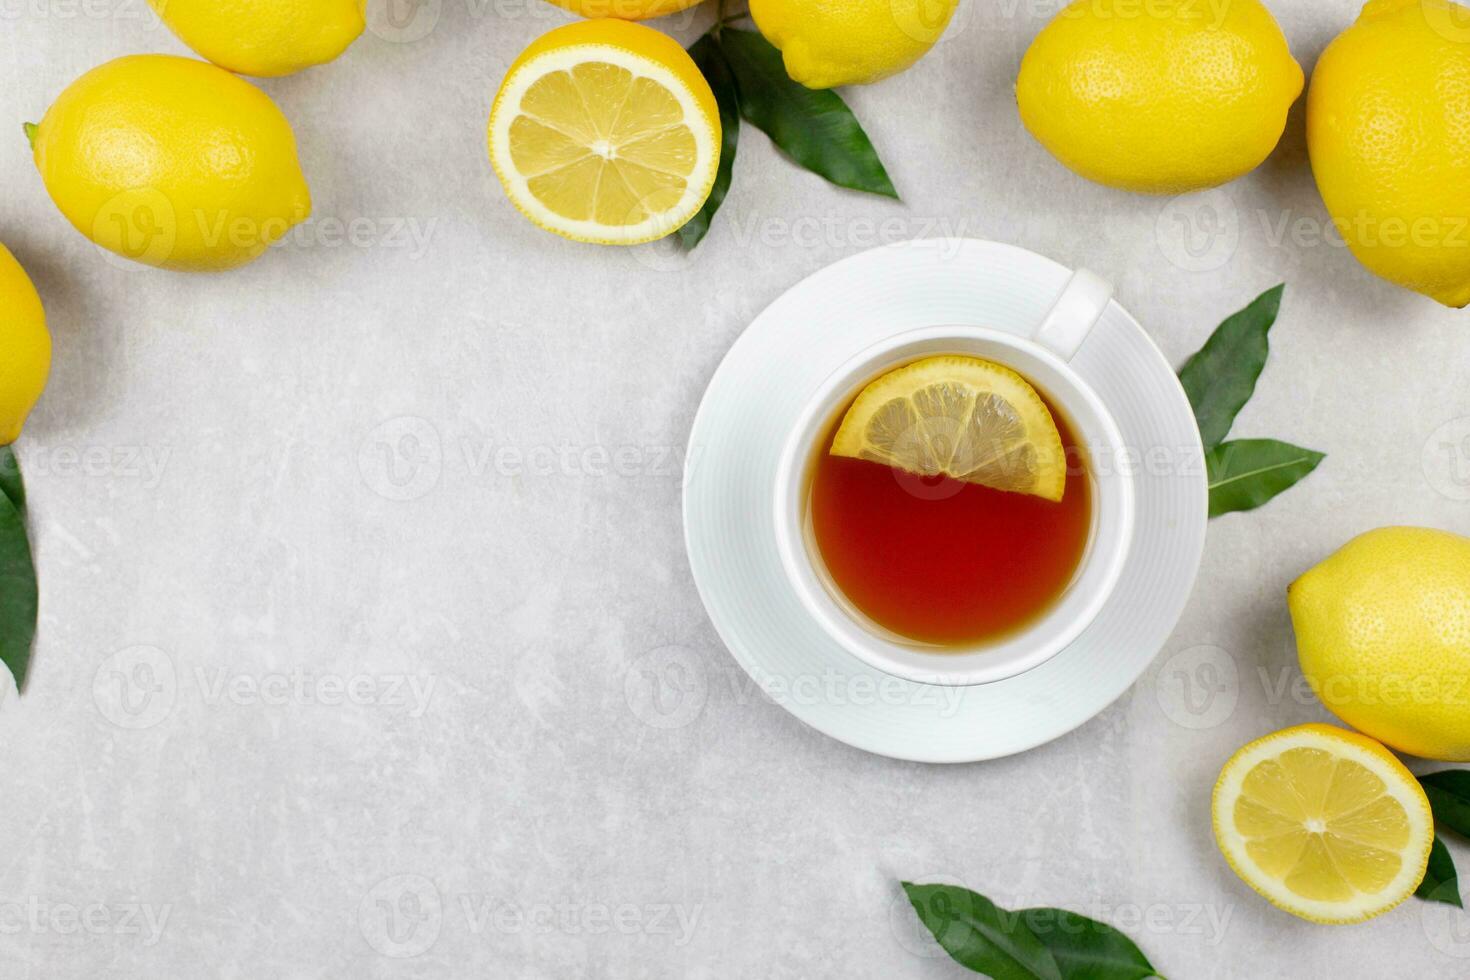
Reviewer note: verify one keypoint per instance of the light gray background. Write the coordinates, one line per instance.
(374, 463)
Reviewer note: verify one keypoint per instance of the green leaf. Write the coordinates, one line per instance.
(11, 484)
(815, 127)
(19, 599)
(1246, 473)
(1085, 949)
(1221, 377)
(977, 934)
(711, 61)
(1441, 882)
(1449, 797)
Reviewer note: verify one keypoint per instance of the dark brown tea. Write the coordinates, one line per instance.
(943, 562)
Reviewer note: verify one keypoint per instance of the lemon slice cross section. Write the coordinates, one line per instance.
(962, 417)
(1324, 823)
(605, 131)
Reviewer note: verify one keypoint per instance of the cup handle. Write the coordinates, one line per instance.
(1074, 314)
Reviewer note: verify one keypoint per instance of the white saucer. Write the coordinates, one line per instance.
(754, 399)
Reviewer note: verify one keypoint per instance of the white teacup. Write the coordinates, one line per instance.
(1042, 359)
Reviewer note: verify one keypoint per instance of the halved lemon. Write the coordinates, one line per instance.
(963, 417)
(1325, 823)
(605, 131)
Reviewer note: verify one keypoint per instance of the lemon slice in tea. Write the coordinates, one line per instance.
(962, 417)
(605, 131)
(1323, 822)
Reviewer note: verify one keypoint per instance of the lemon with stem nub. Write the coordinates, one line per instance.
(1324, 823)
(171, 162)
(605, 131)
(962, 417)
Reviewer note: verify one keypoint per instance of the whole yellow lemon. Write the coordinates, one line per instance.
(1383, 634)
(25, 347)
(265, 37)
(826, 43)
(1388, 127)
(1161, 97)
(626, 9)
(172, 162)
